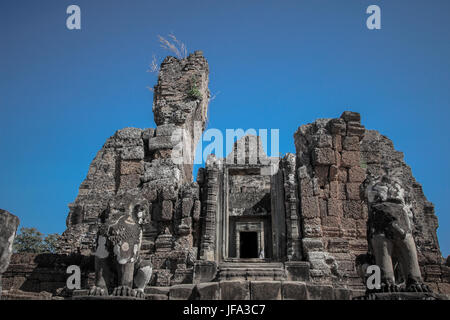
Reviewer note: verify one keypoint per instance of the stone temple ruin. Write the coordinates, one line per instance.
(250, 226)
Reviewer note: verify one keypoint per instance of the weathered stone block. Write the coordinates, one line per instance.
(204, 271)
(310, 207)
(319, 292)
(306, 187)
(312, 244)
(265, 290)
(324, 156)
(208, 291)
(157, 290)
(181, 292)
(337, 143)
(323, 205)
(350, 159)
(335, 207)
(357, 174)
(323, 141)
(165, 129)
(169, 193)
(338, 126)
(161, 142)
(234, 290)
(331, 221)
(334, 171)
(351, 116)
(355, 129)
(197, 210)
(353, 209)
(352, 190)
(131, 167)
(342, 294)
(312, 227)
(132, 153)
(294, 290)
(167, 210)
(186, 206)
(130, 181)
(337, 245)
(321, 173)
(297, 270)
(351, 143)
(337, 190)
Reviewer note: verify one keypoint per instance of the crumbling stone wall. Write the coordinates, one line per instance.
(156, 164)
(334, 157)
(332, 211)
(8, 229)
(30, 274)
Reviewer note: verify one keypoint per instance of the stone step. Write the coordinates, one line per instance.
(251, 271)
(248, 265)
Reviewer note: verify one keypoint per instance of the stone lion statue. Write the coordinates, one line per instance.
(390, 238)
(119, 269)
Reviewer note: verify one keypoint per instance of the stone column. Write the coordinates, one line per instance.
(208, 243)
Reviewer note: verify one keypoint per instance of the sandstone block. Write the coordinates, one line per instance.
(337, 190)
(186, 206)
(351, 116)
(357, 174)
(234, 290)
(335, 207)
(181, 292)
(208, 291)
(130, 181)
(324, 156)
(167, 210)
(321, 173)
(355, 129)
(132, 153)
(265, 290)
(338, 126)
(157, 290)
(351, 143)
(294, 290)
(342, 294)
(337, 142)
(312, 244)
(297, 270)
(131, 167)
(353, 209)
(161, 142)
(352, 190)
(310, 207)
(197, 210)
(204, 271)
(319, 292)
(350, 159)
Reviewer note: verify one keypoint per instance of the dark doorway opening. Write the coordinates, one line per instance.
(249, 245)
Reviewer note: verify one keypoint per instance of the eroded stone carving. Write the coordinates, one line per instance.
(118, 263)
(390, 233)
(8, 229)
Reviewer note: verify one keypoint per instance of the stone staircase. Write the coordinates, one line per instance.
(251, 271)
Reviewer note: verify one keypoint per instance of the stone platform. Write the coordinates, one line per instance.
(403, 296)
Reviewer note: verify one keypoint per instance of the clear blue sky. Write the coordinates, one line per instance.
(276, 64)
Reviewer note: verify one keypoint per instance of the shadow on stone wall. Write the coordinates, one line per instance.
(45, 272)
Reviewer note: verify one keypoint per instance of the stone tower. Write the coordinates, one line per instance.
(156, 163)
